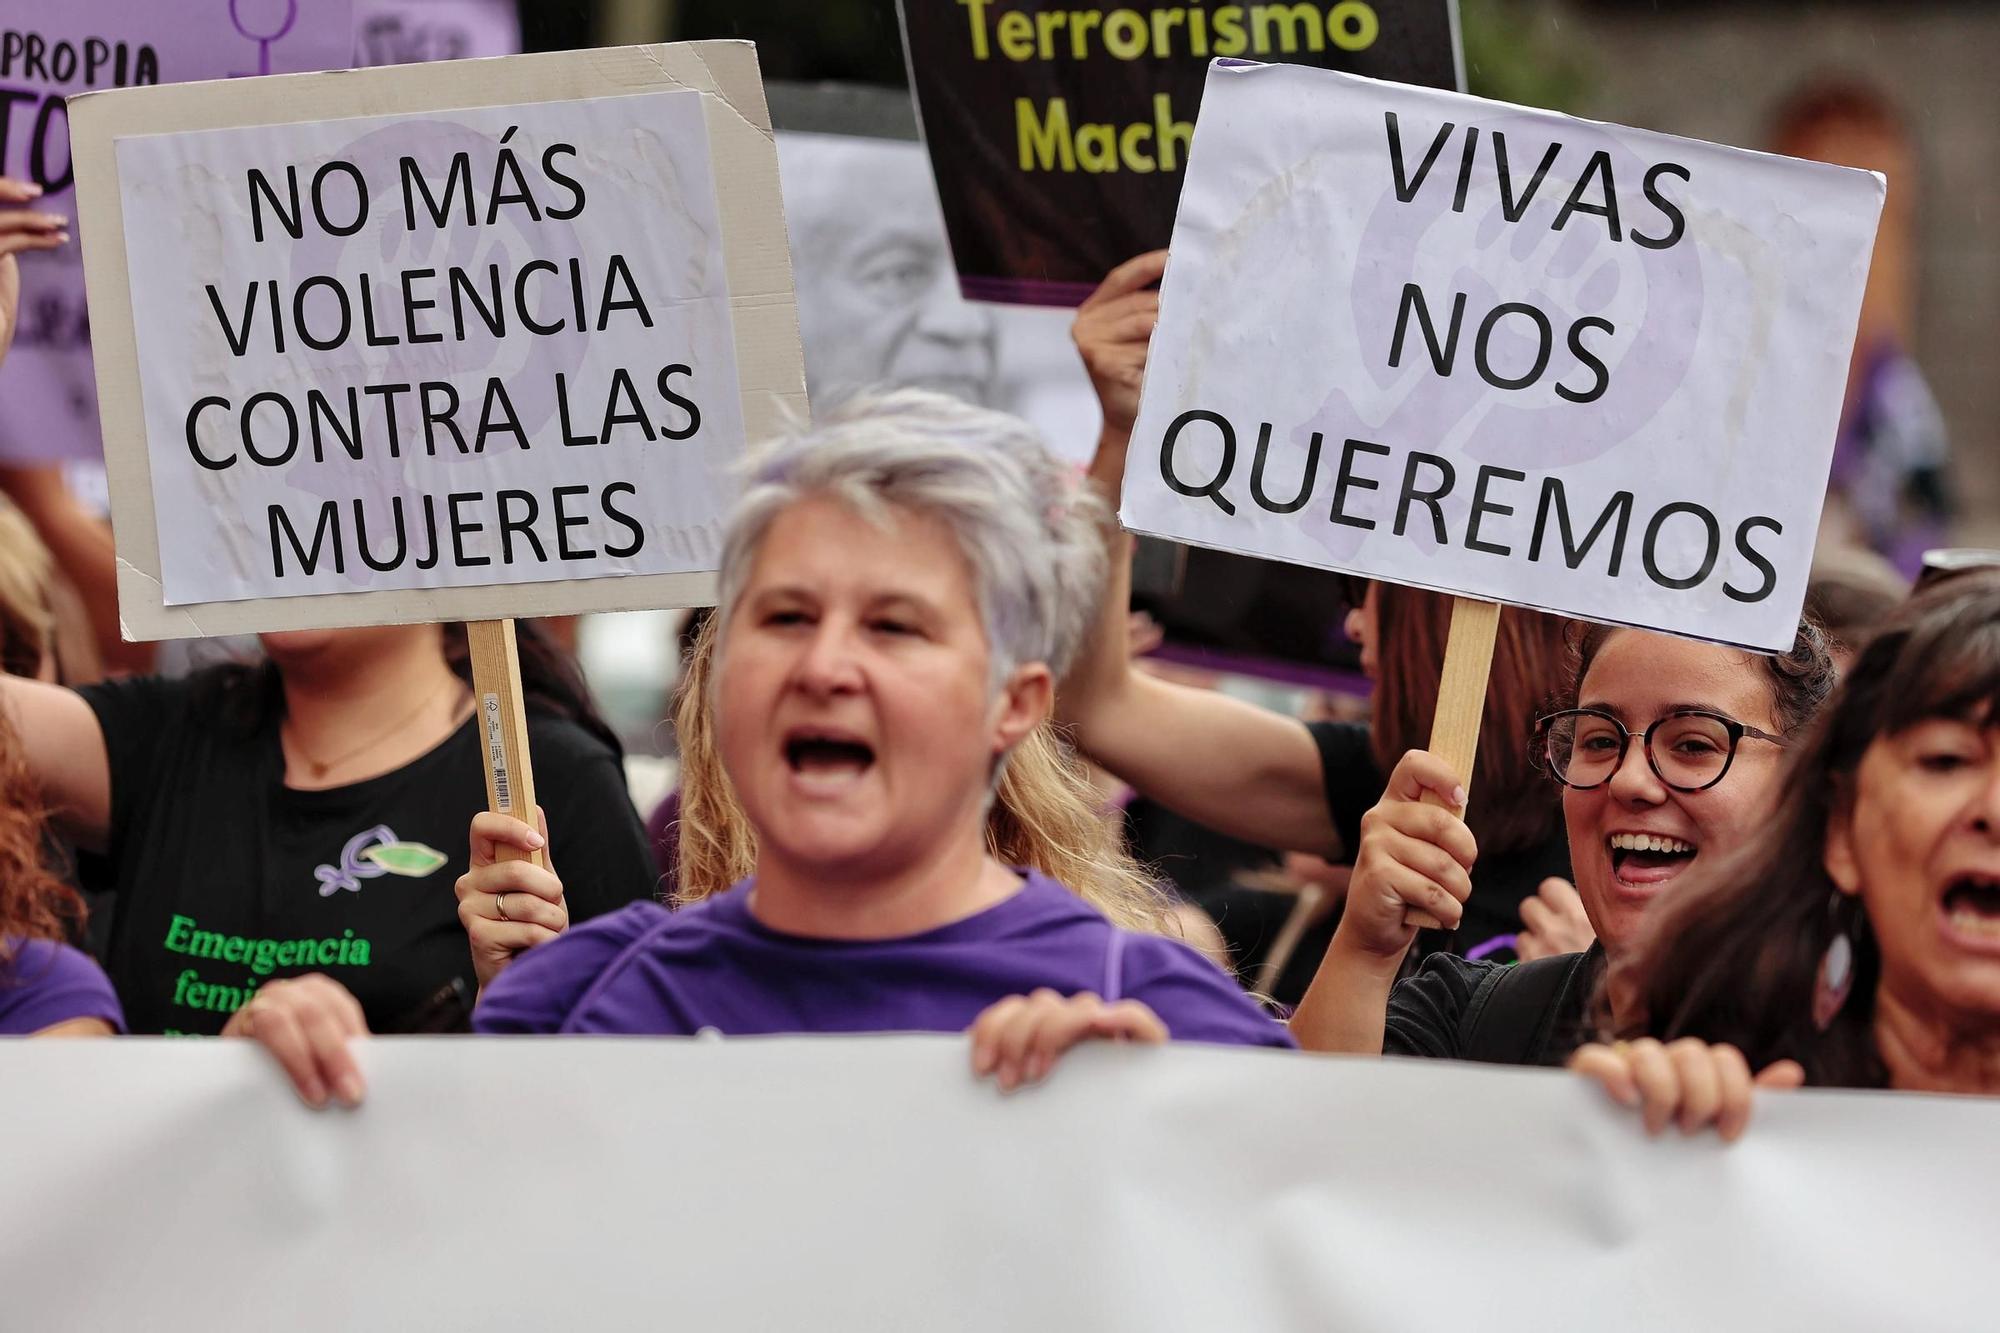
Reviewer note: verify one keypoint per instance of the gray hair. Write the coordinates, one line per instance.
(1029, 529)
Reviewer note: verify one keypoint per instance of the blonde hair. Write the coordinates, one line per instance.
(27, 618)
(1044, 816)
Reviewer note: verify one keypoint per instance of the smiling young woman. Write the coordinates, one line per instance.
(1668, 755)
(1712, 721)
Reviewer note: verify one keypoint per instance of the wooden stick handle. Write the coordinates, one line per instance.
(503, 726)
(1468, 659)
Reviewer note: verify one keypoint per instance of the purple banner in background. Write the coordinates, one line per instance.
(53, 49)
(409, 32)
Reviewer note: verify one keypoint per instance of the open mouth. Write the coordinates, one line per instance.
(1648, 858)
(1972, 906)
(827, 756)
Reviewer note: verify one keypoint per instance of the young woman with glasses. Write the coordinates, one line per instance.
(1667, 754)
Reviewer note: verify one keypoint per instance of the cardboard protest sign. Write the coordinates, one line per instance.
(887, 1189)
(409, 32)
(50, 52)
(452, 341)
(1059, 129)
(1502, 353)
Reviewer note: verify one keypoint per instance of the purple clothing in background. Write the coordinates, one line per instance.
(714, 966)
(1890, 459)
(43, 983)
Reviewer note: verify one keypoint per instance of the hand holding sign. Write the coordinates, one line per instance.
(1113, 327)
(1416, 857)
(22, 229)
(511, 899)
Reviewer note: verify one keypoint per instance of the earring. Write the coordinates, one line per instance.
(1836, 965)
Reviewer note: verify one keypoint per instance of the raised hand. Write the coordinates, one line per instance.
(1113, 328)
(22, 229)
(1553, 922)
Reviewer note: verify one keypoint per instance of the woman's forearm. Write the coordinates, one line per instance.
(1346, 1007)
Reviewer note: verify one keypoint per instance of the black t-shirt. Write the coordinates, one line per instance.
(221, 877)
(1500, 883)
(1431, 1011)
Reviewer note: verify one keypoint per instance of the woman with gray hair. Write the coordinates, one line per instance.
(900, 587)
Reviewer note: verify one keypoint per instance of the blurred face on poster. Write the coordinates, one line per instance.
(878, 297)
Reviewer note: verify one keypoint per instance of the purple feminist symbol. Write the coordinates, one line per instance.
(263, 39)
(352, 869)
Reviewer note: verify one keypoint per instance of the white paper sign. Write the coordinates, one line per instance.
(870, 1184)
(450, 349)
(1501, 352)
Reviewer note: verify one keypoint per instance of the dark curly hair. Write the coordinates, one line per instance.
(1800, 679)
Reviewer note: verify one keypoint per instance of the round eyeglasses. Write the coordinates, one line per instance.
(1689, 750)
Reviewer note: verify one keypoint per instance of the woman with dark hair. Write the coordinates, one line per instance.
(309, 813)
(1856, 944)
(1274, 781)
(47, 988)
(1667, 753)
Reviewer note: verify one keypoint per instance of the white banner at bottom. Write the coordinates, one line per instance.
(869, 1183)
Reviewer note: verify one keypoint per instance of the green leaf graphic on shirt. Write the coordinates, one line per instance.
(411, 859)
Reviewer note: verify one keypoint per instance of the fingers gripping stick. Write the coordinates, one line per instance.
(1468, 658)
(503, 728)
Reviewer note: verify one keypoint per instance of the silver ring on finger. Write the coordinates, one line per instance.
(500, 906)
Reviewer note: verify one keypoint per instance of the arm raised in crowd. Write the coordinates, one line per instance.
(1412, 855)
(1234, 767)
(64, 746)
(79, 540)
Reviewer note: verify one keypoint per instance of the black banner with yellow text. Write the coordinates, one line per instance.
(1058, 129)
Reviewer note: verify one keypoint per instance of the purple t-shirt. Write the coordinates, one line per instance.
(714, 966)
(43, 983)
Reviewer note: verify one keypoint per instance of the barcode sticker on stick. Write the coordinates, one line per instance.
(496, 755)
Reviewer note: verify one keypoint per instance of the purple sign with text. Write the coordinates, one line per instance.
(48, 391)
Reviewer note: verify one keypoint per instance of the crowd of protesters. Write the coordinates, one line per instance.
(1692, 870)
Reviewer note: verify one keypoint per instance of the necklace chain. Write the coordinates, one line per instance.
(321, 767)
